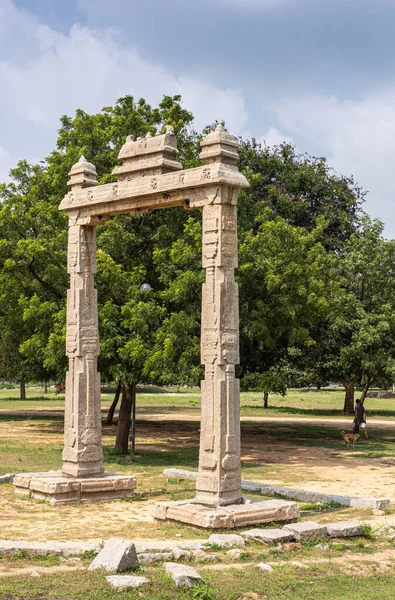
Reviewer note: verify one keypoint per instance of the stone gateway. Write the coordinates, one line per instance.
(150, 178)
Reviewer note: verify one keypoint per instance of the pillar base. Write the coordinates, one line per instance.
(57, 488)
(250, 512)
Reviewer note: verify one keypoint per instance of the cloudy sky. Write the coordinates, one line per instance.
(318, 72)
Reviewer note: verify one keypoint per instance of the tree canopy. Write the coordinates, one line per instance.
(315, 275)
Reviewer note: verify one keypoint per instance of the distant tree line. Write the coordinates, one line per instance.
(316, 276)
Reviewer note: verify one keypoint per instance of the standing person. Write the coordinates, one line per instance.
(360, 410)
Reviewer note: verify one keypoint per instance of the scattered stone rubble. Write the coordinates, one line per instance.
(63, 548)
(183, 575)
(122, 582)
(226, 540)
(116, 556)
(119, 555)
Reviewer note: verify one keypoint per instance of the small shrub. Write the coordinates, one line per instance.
(203, 592)
(215, 547)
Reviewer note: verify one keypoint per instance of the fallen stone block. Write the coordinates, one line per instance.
(180, 474)
(167, 546)
(116, 556)
(209, 558)
(306, 530)
(146, 558)
(181, 554)
(63, 548)
(265, 567)
(226, 540)
(344, 529)
(234, 554)
(8, 478)
(183, 574)
(122, 582)
(269, 536)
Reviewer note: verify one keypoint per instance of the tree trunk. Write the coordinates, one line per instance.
(359, 413)
(22, 390)
(45, 387)
(111, 410)
(125, 411)
(349, 398)
(265, 399)
(365, 390)
(133, 434)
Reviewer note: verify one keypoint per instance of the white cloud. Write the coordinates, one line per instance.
(357, 137)
(57, 73)
(274, 137)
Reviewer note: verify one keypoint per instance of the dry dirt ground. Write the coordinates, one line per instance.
(267, 455)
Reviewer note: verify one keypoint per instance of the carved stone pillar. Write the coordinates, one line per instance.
(82, 454)
(218, 482)
(218, 502)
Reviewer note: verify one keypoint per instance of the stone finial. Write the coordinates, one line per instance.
(82, 174)
(219, 146)
(152, 155)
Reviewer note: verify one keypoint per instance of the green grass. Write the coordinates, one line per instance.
(287, 581)
(297, 403)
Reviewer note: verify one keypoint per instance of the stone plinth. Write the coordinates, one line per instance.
(249, 512)
(57, 488)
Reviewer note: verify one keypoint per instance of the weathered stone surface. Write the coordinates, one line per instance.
(264, 567)
(270, 536)
(180, 554)
(8, 478)
(183, 575)
(226, 540)
(234, 554)
(149, 156)
(153, 557)
(306, 530)
(58, 489)
(180, 474)
(168, 545)
(284, 492)
(209, 558)
(344, 529)
(122, 582)
(116, 556)
(227, 517)
(63, 548)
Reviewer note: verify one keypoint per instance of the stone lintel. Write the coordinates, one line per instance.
(56, 488)
(187, 187)
(227, 517)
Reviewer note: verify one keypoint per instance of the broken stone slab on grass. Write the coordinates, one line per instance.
(264, 567)
(269, 536)
(122, 582)
(181, 554)
(234, 554)
(183, 574)
(146, 558)
(344, 529)
(168, 545)
(63, 548)
(226, 540)
(180, 474)
(116, 556)
(306, 530)
(7, 478)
